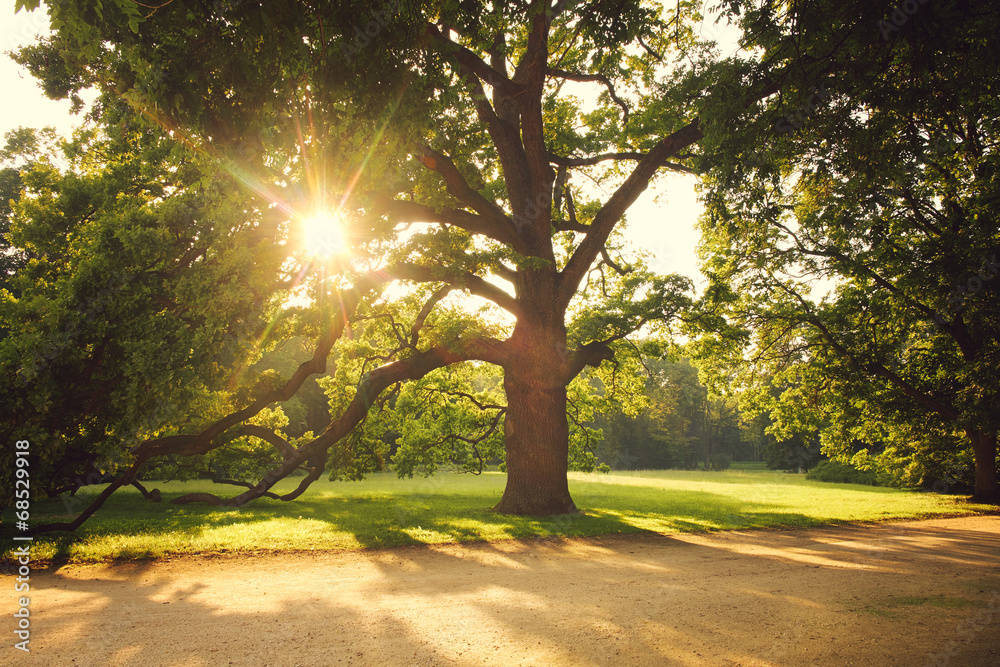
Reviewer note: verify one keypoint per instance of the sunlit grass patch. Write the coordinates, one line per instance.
(385, 511)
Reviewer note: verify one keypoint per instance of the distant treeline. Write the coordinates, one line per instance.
(683, 428)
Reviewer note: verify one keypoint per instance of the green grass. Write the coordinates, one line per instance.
(893, 607)
(384, 511)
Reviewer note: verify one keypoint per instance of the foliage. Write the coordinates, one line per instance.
(143, 279)
(850, 233)
(941, 467)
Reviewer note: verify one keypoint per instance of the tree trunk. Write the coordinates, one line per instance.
(536, 432)
(984, 446)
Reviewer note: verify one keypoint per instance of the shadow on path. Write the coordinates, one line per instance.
(908, 593)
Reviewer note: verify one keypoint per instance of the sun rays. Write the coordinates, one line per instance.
(323, 236)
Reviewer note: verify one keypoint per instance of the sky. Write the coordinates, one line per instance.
(662, 222)
(25, 104)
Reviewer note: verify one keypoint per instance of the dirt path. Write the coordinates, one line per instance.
(918, 593)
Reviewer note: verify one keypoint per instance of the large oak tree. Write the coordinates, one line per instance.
(446, 137)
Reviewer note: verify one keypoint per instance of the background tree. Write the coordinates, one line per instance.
(142, 280)
(680, 426)
(851, 231)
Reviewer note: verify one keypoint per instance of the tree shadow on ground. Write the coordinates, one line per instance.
(378, 522)
(425, 511)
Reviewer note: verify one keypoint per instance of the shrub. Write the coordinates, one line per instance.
(841, 473)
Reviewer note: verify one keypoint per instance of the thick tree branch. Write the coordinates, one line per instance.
(459, 280)
(474, 64)
(600, 78)
(317, 466)
(618, 203)
(591, 354)
(503, 271)
(569, 226)
(531, 73)
(371, 385)
(491, 222)
(267, 435)
(561, 190)
(505, 106)
(558, 188)
(124, 480)
(503, 130)
(152, 496)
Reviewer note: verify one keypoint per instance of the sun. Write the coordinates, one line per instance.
(323, 235)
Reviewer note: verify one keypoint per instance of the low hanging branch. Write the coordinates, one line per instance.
(314, 453)
(267, 435)
(371, 385)
(195, 445)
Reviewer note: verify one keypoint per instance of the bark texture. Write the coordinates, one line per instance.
(536, 432)
(984, 446)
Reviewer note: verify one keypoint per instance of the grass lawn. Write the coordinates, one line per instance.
(384, 511)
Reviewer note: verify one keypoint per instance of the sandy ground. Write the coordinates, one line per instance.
(915, 593)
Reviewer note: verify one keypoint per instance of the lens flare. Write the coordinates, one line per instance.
(323, 235)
